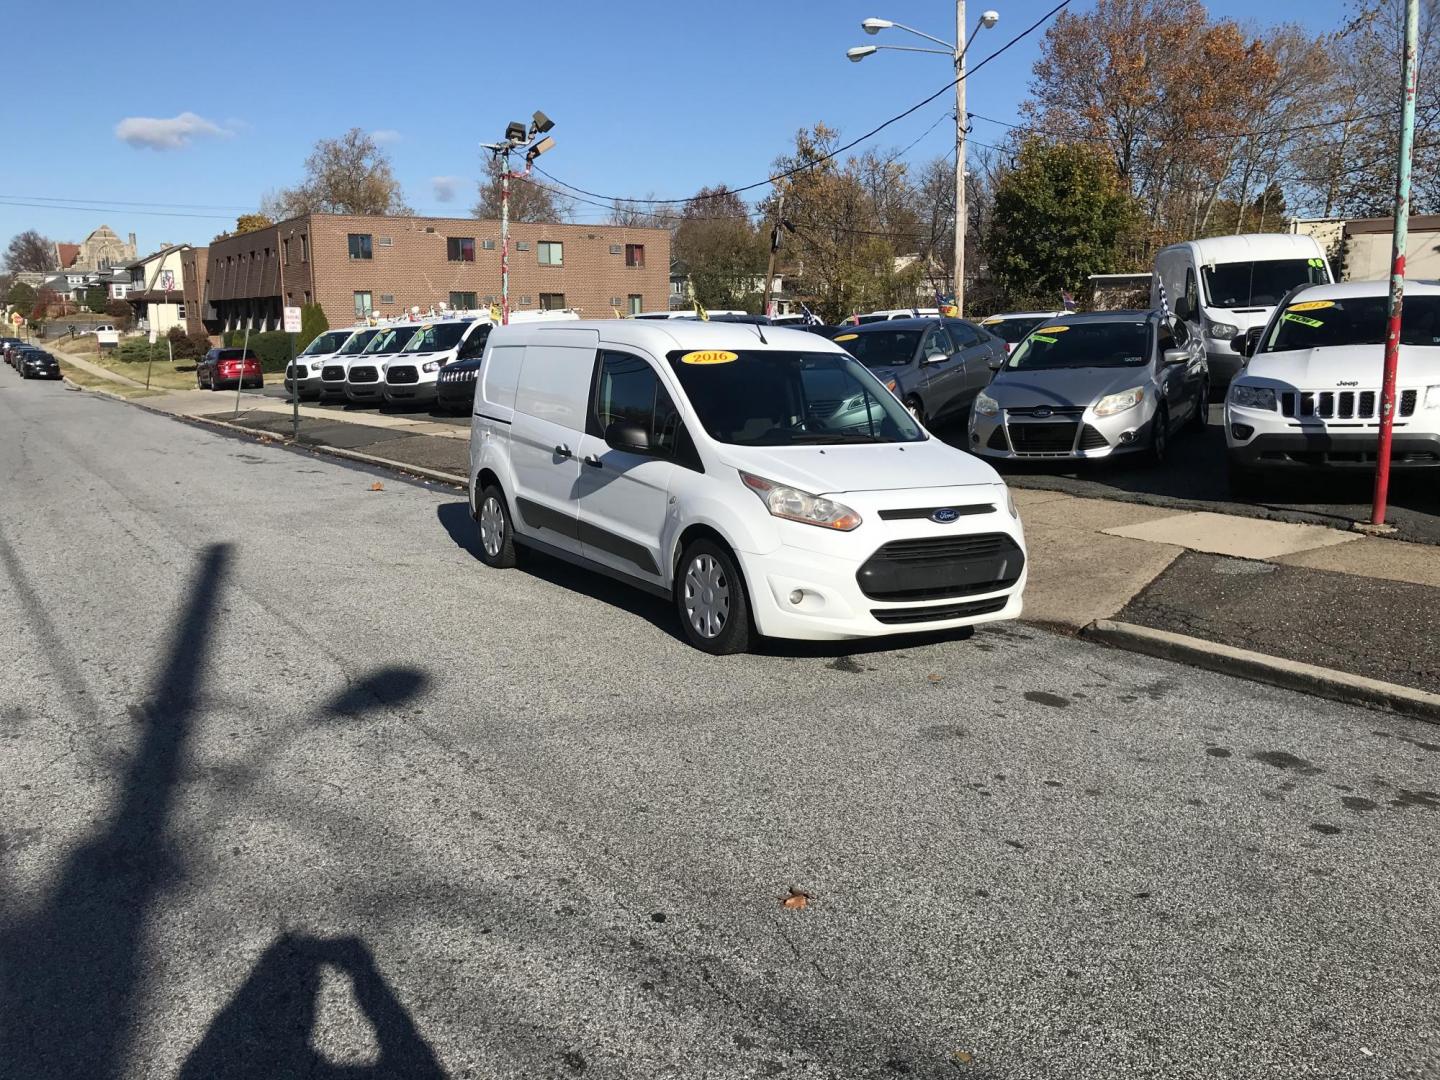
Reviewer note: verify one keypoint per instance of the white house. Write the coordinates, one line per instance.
(157, 289)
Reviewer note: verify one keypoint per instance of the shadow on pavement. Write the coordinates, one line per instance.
(69, 971)
(264, 1032)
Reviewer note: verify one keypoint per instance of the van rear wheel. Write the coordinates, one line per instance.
(711, 601)
(497, 538)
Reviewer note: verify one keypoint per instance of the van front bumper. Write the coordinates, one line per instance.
(832, 605)
(410, 393)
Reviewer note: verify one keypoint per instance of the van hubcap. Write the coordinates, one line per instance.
(707, 596)
(492, 525)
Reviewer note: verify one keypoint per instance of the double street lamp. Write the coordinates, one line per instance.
(517, 138)
(956, 52)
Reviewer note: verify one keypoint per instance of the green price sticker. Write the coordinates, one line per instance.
(1042, 337)
(1303, 320)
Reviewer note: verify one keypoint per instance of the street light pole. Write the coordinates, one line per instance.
(505, 240)
(517, 136)
(960, 125)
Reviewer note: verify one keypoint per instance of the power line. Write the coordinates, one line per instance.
(830, 154)
(1204, 137)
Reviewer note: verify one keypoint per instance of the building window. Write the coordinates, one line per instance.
(463, 301)
(387, 298)
(550, 253)
(180, 311)
(523, 245)
(307, 296)
(636, 303)
(524, 301)
(460, 248)
(267, 254)
(363, 306)
(552, 301)
(304, 248)
(634, 254)
(488, 245)
(615, 302)
(360, 246)
(285, 249)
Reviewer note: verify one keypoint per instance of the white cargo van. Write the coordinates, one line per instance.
(762, 479)
(1224, 285)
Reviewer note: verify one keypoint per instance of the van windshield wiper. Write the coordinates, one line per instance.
(836, 437)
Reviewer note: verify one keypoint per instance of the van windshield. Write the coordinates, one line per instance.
(1355, 320)
(391, 340)
(439, 338)
(1259, 284)
(328, 342)
(763, 398)
(1059, 344)
(357, 343)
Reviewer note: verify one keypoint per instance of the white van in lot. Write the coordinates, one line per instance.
(307, 369)
(1224, 285)
(761, 478)
(336, 367)
(365, 373)
(1309, 396)
(413, 375)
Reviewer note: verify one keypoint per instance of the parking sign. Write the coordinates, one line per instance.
(292, 320)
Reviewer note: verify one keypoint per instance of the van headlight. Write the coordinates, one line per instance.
(433, 365)
(1260, 397)
(796, 505)
(1432, 396)
(986, 405)
(1010, 501)
(1222, 331)
(1111, 404)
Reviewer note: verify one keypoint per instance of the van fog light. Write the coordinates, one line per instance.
(796, 595)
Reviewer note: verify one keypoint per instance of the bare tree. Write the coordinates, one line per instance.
(30, 251)
(530, 199)
(348, 175)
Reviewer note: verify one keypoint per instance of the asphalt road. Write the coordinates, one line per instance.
(291, 786)
(1194, 478)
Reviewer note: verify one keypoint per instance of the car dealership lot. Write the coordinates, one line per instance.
(510, 825)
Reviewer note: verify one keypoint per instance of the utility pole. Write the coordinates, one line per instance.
(774, 248)
(961, 121)
(505, 239)
(517, 136)
(1398, 244)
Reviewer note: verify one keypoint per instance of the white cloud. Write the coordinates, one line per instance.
(385, 135)
(446, 187)
(176, 133)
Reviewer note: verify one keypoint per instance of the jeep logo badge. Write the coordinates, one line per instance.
(945, 515)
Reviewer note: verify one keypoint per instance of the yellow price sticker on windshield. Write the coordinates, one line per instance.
(992, 320)
(845, 337)
(1311, 305)
(709, 356)
(1052, 330)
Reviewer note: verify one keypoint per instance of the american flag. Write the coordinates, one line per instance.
(1067, 300)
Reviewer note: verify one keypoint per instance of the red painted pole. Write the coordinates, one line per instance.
(505, 240)
(1397, 266)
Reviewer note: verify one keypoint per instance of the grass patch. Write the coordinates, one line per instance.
(84, 378)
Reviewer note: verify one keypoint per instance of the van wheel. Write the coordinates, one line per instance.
(710, 597)
(497, 538)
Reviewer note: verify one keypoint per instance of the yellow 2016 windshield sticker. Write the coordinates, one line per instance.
(709, 356)
(1052, 330)
(1302, 320)
(845, 337)
(1311, 305)
(991, 321)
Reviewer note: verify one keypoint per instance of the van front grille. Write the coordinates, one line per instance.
(364, 375)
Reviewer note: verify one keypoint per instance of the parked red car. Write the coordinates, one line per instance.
(224, 368)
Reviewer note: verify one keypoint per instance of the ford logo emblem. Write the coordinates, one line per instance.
(945, 515)
(1041, 413)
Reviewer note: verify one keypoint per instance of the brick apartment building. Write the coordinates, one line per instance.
(356, 265)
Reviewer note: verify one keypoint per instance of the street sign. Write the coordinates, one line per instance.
(152, 335)
(292, 320)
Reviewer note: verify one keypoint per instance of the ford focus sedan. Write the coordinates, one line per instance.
(1094, 386)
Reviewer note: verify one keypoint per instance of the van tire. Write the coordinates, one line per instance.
(710, 596)
(497, 533)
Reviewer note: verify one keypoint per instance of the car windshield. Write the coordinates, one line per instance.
(1259, 284)
(881, 348)
(357, 343)
(1011, 330)
(763, 398)
(439, 338)
(1109, 344)
(328, 342)
(391, 340)
(1354, 320)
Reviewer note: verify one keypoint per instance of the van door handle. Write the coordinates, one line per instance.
(594, 462)
(563, 452)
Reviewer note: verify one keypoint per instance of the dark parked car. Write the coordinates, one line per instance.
(7, 344)
(222, 368)
(455, 392)
(935, 366)
(38, 364)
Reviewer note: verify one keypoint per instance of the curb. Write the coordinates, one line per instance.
(1259, 667)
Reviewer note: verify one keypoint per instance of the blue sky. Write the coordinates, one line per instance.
(646, 96)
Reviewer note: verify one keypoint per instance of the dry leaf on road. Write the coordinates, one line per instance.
(797, 899)
(377, 486)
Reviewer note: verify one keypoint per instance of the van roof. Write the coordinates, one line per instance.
(1251, 247)
(661, 336)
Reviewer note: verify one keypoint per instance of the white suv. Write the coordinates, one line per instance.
(762, 478)
(1309, 394)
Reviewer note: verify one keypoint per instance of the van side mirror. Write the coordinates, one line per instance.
(627, 436)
